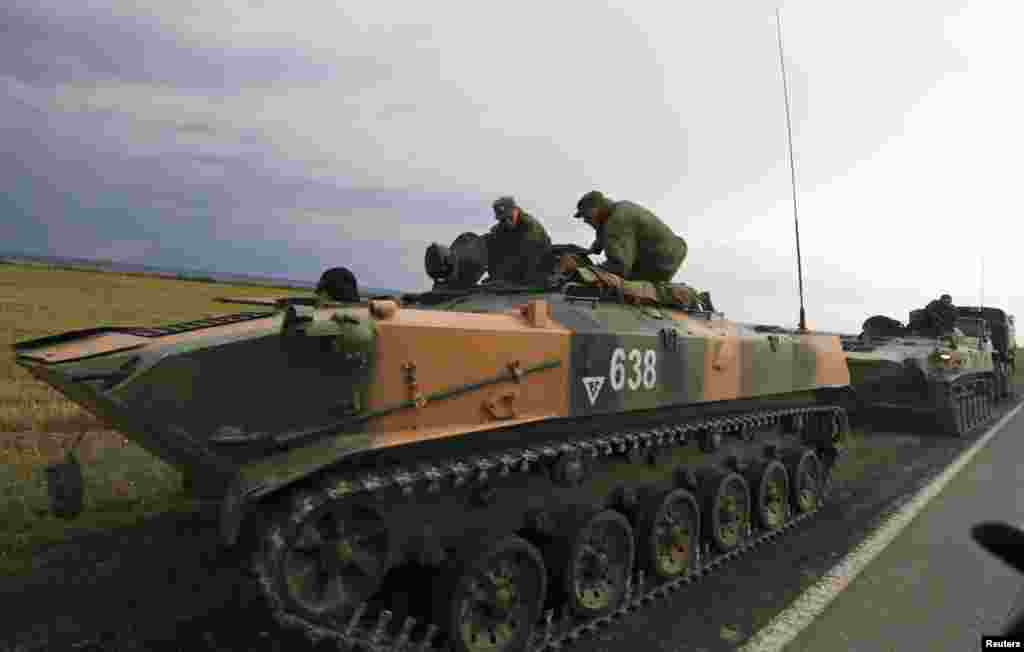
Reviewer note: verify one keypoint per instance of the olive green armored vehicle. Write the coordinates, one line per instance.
(955, 375)
(551, 457)
(1002, 333)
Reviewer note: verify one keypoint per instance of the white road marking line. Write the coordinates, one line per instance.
(785, 627)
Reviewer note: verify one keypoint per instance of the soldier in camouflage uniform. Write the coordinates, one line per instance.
(637, 245)
(516, 245)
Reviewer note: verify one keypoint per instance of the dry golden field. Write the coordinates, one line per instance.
(123, 482)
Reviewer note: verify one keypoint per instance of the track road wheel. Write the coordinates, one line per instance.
(769, 483)
(329, 558)
(497, 597)
(727, 510)
(670, 534)
(594, 561)
(805, 474)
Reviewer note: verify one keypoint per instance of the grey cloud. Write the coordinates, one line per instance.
(389, 111)
(71, 200)
(197, 128)
(213, 159)
(43, 47)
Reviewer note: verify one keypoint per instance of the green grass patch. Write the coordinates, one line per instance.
(861, 455)
(123, 486)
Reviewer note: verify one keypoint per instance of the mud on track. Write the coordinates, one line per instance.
(166, 584)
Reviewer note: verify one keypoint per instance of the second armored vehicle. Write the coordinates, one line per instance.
(955, 376)
(1002, 333)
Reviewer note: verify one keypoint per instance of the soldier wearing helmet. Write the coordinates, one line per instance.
(516, 245)
(338, 284)
(637, 245)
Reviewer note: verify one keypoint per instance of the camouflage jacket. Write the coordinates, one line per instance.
(633, 232)
(515, 255)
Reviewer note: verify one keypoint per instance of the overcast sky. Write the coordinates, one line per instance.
(283, 138)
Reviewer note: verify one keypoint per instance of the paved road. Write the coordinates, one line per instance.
(933, 588)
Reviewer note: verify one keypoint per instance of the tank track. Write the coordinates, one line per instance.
(966, 407)
(556, 631)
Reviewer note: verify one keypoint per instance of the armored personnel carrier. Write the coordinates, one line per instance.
(552, 457)
(953, 375)
(1002, 333)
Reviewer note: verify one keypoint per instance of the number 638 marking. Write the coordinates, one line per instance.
(644, 367)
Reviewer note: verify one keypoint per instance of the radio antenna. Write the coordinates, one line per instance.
(792, 175)
(981, 290)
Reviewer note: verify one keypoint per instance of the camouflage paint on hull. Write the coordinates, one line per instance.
(249, 407)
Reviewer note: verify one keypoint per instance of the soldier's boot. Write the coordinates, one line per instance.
(705, 300)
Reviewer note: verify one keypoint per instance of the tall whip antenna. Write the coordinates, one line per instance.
(792, 175)
(982, 289)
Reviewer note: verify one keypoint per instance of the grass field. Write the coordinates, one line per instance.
(124, 483)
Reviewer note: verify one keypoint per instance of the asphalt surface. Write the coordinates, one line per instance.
(933, 588)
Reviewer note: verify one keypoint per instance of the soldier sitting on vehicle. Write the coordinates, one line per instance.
(942, 314)
(637, 245)
(516, 245)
